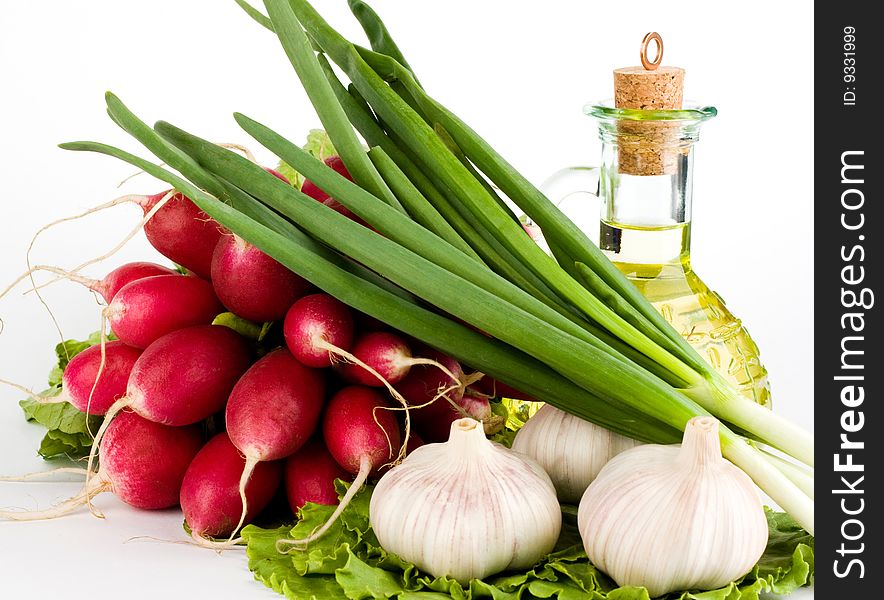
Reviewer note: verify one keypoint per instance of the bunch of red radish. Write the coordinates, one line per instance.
(295, 417)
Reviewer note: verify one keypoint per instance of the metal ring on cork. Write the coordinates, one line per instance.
(649, 37)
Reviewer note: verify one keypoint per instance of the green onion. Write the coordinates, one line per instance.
(300, 52)
(378, 36)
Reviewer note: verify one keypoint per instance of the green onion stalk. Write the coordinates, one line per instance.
(444, 249)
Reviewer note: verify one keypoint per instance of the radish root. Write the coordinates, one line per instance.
(62, 274)
(286, 546)
(219, 547)
(73, 274)
(251, 462)
(195, 540)
(90, 490)
(101, 365)
(137, 199)
(429, 361)
(45, 475)
(34, 396)
(147, 217)
(441, 392)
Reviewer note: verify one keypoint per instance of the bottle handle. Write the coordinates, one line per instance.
(570, 189)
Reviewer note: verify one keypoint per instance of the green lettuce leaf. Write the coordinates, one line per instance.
(68, 430)
(507, 434)
(318, 145)
(349, 563)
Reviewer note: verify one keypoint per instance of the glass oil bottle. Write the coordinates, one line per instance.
(644, 187)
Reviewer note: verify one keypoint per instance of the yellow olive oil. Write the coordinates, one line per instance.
(657, 260)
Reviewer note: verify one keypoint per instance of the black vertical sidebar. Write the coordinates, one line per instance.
(849, 435)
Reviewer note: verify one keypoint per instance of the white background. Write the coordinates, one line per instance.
(518, 72)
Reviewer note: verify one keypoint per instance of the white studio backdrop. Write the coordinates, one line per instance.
(518, 72)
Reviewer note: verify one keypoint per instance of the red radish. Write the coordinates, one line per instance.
(181, 232)
(187, 375)
(310, 475)
(362, 436)
(274, 407)
(311, 189)
(92, 387)
(122, 275)
(142, 462)
(434, 420)
(146, 309)
(272, 411)
(277, 174)
(386, 353)
(389, 356)
(182, 378)
(250, 283)
(158, 454)
(210, 490)
(495, 389)
(316, 328)
(358, 431)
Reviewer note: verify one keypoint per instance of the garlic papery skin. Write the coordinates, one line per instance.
(466, 508)
(571, 450)
(675, 517)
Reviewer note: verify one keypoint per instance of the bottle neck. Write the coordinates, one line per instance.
(645, 211)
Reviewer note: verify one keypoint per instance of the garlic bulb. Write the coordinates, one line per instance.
(466, 508)
(673, 517)
(572, 451)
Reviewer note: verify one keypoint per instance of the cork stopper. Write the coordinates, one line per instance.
(648, 147)
(636, 87)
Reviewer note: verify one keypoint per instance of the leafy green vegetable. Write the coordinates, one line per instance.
(507, 434)
(68, 429)
(318, 145)
(349, 562)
